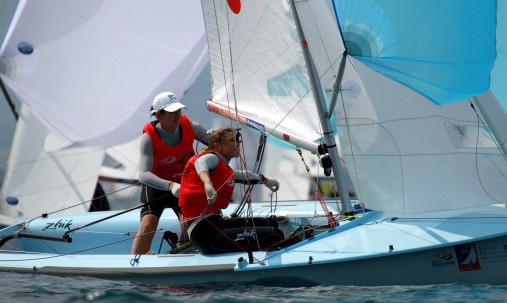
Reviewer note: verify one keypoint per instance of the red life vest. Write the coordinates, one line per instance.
(192, 198)
(169, 161)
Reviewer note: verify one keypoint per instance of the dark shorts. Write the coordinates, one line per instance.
(160, 200)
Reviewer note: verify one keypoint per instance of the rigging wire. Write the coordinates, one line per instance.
(257, 165)
(390, 219)
(247, 196)
(318, 193)
(44, 215)
(80, 229)
(234, 116)
(234, 113)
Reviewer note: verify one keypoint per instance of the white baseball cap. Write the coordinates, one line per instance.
(166, 101)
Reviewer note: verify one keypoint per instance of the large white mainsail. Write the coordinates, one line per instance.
(85, 72)
(254, 65)
(405, 154)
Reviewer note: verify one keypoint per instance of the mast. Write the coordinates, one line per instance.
(324, 117)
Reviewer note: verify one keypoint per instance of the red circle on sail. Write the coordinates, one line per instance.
(234, 5)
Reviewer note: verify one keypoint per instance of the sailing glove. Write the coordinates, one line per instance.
(211, 193)
(272, 184)
(175, 189)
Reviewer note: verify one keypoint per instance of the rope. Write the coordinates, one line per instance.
(328, 214)
(257, 165)
(75, 205)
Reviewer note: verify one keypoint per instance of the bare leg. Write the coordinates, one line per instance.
(145, 234)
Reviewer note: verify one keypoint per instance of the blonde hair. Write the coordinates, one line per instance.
(218, 136)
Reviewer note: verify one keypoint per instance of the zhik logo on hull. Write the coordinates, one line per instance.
(63, 224)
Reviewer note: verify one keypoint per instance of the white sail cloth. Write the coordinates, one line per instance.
(85, 72)
(405, 154)
(90, 68)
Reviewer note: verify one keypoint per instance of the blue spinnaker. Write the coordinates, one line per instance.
(442, 49)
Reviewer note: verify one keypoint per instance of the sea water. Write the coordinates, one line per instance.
(43, 288)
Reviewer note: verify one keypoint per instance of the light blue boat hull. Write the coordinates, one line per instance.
(375, 249)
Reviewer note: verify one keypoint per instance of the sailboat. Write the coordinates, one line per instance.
(65, 62)
(396, 91)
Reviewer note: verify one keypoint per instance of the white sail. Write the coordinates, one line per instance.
(254, 67)
(96, 65)
(404, 153)
(431, 157)
(43, 177)
(85, 73)
(119, 175)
